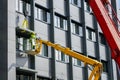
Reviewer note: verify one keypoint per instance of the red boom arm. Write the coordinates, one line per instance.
(108, 27)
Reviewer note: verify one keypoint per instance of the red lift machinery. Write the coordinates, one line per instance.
(109, 25)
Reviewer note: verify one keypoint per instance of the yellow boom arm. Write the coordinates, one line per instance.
(97, 66)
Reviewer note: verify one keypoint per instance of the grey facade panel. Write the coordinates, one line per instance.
(60, 37)
(91, 48)
(104, 76)
(89, 20)
(41, 29)
(77, 43)
(75, 13)
(44, 3)
(60, 6)
(103, 52)
(42, 66)
(11, 41)
(21, 60)
(77, 73)
(99, 29)
(114, 70)
(61, 71)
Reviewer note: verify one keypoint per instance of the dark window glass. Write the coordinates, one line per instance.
(102, 39)
(76, 2)
(24, 76)
(62, 57)
(42, 78)
(105, 66)
(91, 35)
(76, 29)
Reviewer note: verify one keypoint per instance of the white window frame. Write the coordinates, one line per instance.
(92, 33)
(59, 56)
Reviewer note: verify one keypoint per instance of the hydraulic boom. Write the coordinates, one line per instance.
(97, 66)
(108, 24)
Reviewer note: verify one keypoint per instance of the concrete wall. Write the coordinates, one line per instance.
(43, 66)
(44, 3)
(60, 6)
(77, 43)
(61, 71)
(11, 41)
(91, 48)
(75, 13)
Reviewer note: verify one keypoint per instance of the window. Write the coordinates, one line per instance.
(77, 29)
(105, 66)
(42, 78)
(42, 14)
(60, 22)
(77, 62)
(24, 76)
(23, 44)
(102, 39)
(87, 7)
(76, 2)
(44, 51)
(20, 5)
(91, 35)
(61, 56)
(60, 79)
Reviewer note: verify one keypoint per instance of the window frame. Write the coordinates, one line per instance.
(76, 29)
(87, 7)
(76, 2)
(61, 56)
(20, 6)
(42, 14)
(91, 35)
(44, 51)
(105, 66)
(102, 39)
(60, 22)
(23, 44)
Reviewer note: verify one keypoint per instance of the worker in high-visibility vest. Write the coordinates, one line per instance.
(33, 41)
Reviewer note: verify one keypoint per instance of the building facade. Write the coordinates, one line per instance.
(69, 23)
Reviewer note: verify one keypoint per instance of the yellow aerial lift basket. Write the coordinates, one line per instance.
(24, 32)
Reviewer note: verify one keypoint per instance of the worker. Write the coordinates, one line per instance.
(33, 41)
